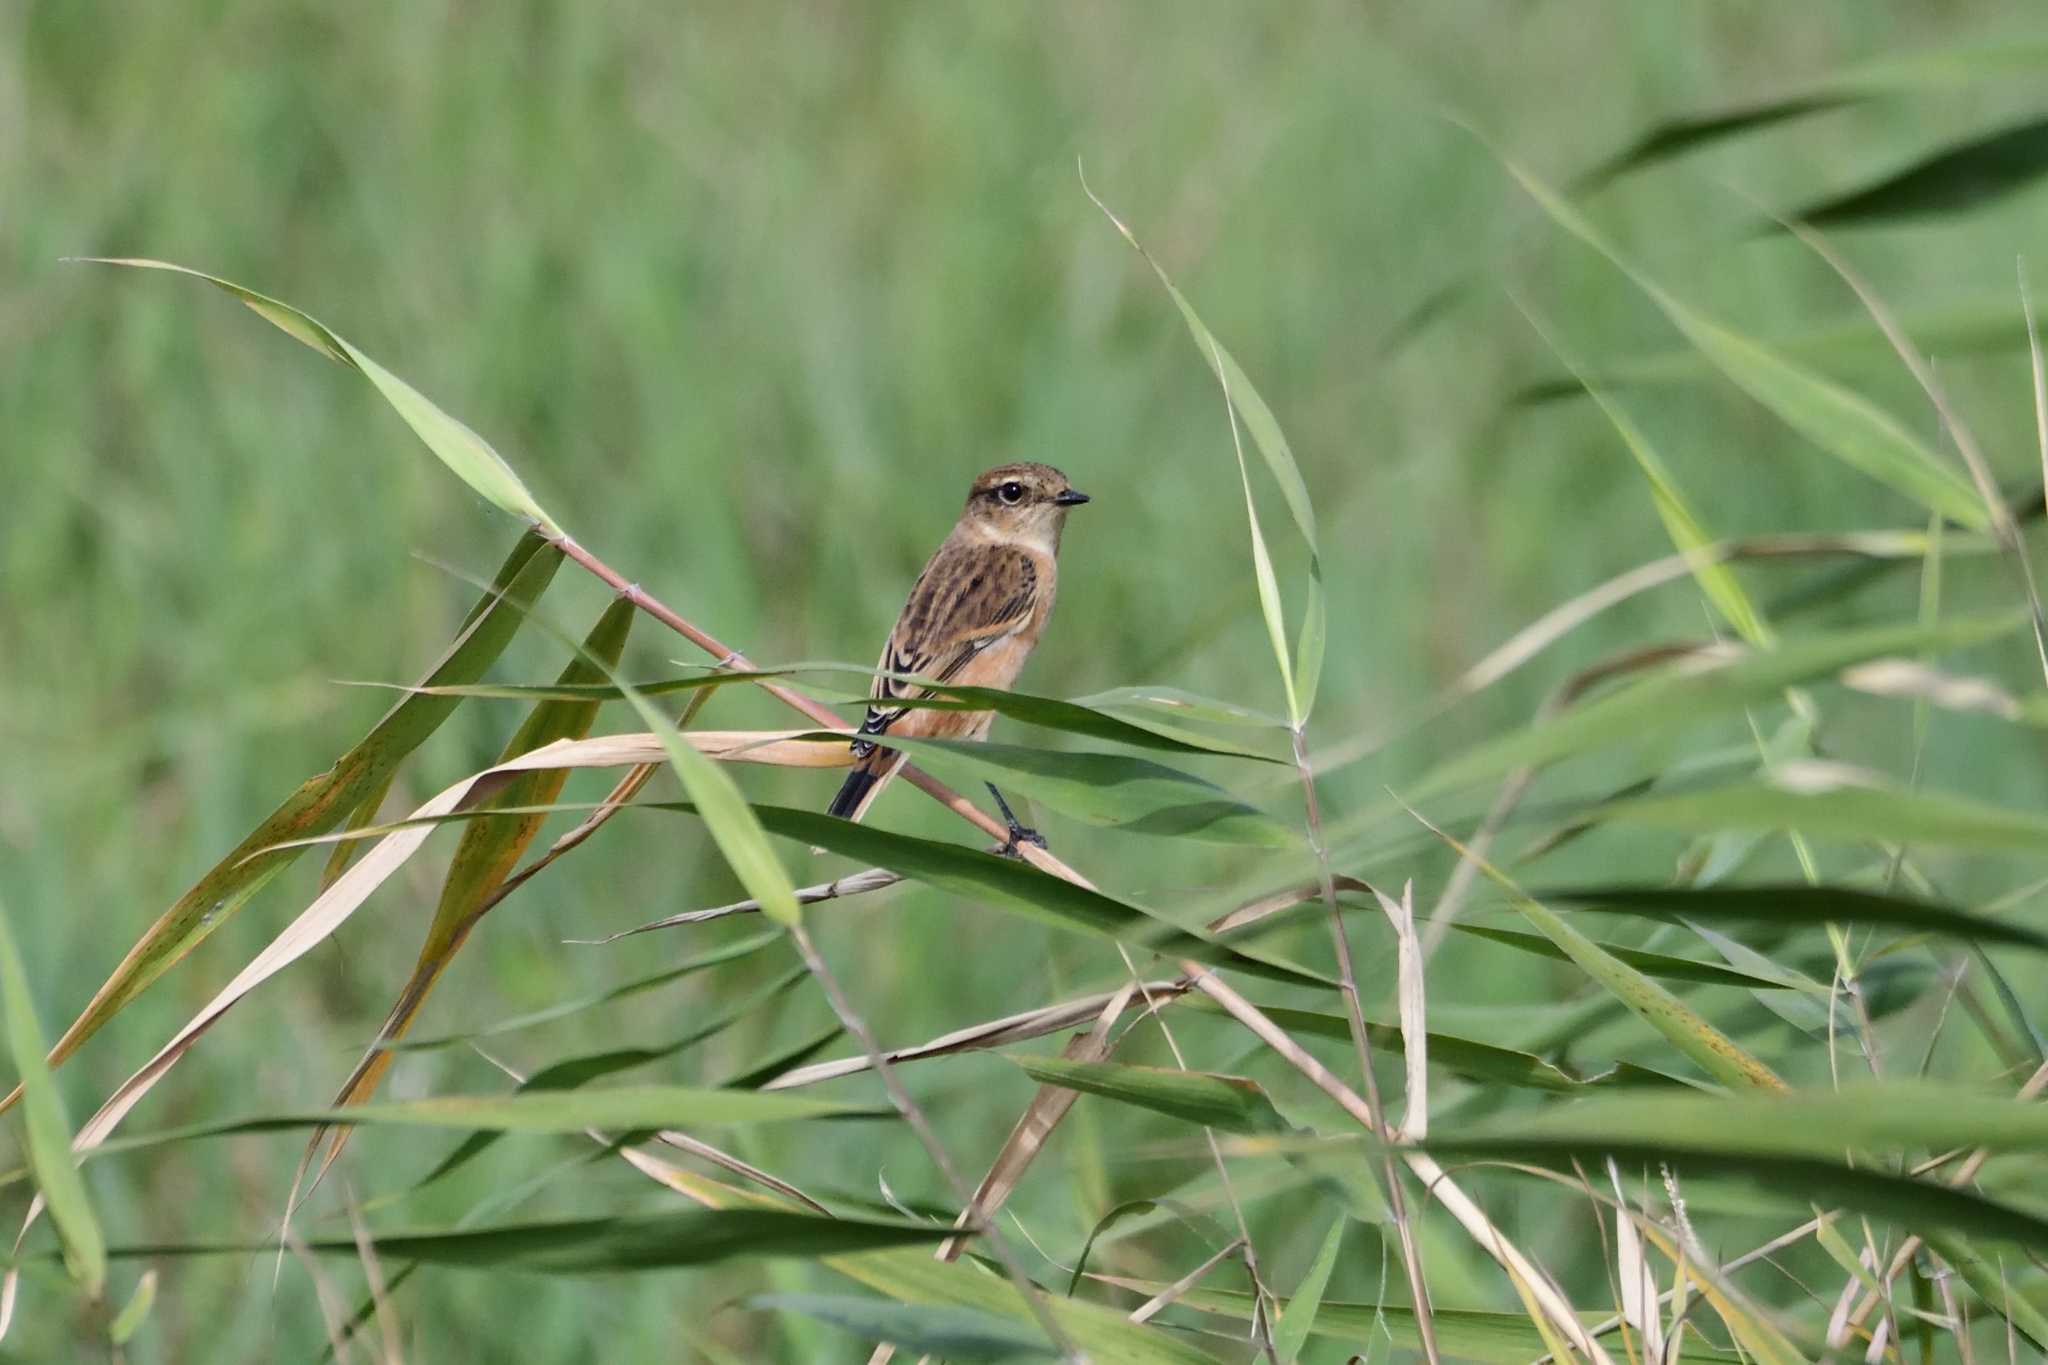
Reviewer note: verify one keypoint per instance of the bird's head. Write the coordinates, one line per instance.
(1026, 502)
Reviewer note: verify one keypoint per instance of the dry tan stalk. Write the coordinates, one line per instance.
(1145, 1311)
(1638, 1281)
(1267, 906)
(1014, 1028)
(853, 884)
(1568, 616)
(921, 1126)
(1963, 1176)
(373, 1278)
(1354, 1013)
(2003, 527)
(1027, 1137)
(1433, 1177)
(682, 1142)
(333, 1316)
(1517, 785)
(1414, 1017)
(703, 1150)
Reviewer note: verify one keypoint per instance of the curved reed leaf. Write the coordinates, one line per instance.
(1183, 704)
(602, 1246)
(1708, 1048)
(1934, 68)
(1681, 524)
(1300, 673)
(946, 1330)
(1484, 1063)
(1799, 903)
(48, 1133)
(1986, 325)
(1846, 425)
(1102, 1333)
(1844, 811)
(1298, 1318)
(1009, 884)
(1115, 790)
(1465, 1333)
(1681, 696)
(1954, 179)
(467, 454)
(1663, 965)
(716, 957)
(1713, 1051)
(627, 1108)
(321, 801)
(1230, 1103)
(485, 857)
(1870, 1116)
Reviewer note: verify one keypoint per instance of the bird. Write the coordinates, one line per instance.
(971, 620)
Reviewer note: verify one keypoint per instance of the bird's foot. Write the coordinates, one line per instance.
(1020, 835)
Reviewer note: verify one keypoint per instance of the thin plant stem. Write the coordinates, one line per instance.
(1434, 1178)
(919, 1124)
(1261, 1320)
(1418, 1287)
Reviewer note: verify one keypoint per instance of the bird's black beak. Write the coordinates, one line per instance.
(1072, 497)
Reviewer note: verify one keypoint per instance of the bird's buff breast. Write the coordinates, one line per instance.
(998, 667)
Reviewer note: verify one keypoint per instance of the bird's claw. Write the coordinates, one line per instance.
(1020, 835)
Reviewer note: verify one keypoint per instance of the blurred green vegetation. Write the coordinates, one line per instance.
(748, 294)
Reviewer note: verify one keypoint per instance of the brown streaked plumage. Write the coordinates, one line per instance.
(972, 618)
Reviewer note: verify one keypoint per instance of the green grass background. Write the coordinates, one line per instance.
(748, 294)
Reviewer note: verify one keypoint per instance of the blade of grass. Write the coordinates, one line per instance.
(946, 1330)
(621, 1243)
(1832, 804)
(1299, 673)
(1933, 68)
(994, 1033)
(318, 804)
(1843, 423)
(1231, 1103)
(1485, 1063)
(1649, 963)
(1112, 790)
(484, 858)
(1980, 326)
(47, 1138)
(1688, 537)
(1870, 1115)
(1681, 696)
(716, 957)
(1955, 178)
(1298, 1319)
(1706, 1046)
(466, 454)
(1103, 1334)
(1798, 903)
(1800, 1180)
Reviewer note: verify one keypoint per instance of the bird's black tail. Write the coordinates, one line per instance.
(858, 783)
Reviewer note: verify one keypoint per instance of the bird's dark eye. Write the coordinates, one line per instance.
(1011, 493)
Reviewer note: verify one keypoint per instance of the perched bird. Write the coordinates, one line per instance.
(972, 618)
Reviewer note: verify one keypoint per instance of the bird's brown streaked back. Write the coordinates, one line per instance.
(972, 617)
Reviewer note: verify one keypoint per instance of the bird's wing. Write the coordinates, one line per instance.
(967, 598)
